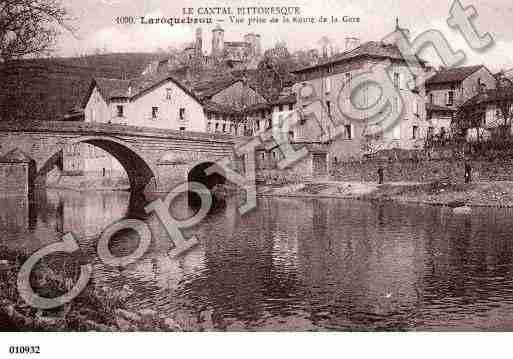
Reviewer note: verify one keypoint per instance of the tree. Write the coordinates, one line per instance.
(504, 105)
(29, 28)
(273, 72)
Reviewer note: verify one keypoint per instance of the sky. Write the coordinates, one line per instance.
(96, 27)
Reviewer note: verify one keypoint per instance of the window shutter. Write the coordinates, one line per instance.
(328, 84)
(396, 133)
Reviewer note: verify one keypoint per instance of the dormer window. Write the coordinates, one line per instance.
(169, 94)
(181, 114)
(154, 112)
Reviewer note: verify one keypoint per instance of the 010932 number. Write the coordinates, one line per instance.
(24, 349)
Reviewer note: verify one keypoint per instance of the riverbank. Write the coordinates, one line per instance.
(440, 193)
(81, 183)
(95, 309)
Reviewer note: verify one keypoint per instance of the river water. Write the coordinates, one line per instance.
(296, 264)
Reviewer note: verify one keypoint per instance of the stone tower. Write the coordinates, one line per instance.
(217, 41)
(254, 41)
(199, 43)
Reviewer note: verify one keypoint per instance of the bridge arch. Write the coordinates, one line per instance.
(197, 173)
(140, 170)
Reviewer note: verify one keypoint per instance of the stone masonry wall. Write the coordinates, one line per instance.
(423, 170)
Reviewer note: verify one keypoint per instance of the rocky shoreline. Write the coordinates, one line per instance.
(438, 193)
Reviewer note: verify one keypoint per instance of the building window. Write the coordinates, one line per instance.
(182, 113)
(209, 126)
(154, 112)
(169, 94)
(397, 80)
(414, 133)
(291, 136)
(182, 128)
(119, 110)
(224, 127)
(349, 132)
(431, 131)
(348, 77)
(280, 108)
(328, 107)
(450, 98)
(431, 99)
(217, 127)
(291, 107)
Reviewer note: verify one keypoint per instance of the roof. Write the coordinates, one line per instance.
(16, 156)
(374, 49)
(110, 88)
(206, 89)
(211, 106)
(494, 95)
(257, 107)
(134, 88)
(456, 74)
(432, 107)
(285, 100)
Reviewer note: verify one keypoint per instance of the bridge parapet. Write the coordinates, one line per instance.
(95, 128)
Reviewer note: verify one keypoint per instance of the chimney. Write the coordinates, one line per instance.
(352, 43)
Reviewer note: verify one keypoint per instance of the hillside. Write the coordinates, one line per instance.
(46, 89)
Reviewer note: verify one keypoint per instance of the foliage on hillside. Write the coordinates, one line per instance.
(47, 89)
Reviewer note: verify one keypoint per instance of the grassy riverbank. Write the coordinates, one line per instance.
(488, 194)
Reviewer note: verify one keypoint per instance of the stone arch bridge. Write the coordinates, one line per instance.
(154, 159)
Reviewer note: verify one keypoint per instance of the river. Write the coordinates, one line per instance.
(296, 264)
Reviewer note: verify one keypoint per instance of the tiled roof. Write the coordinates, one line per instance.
(16, 156)
(285, 100)
(206, 89)
(432, 107)
(456, 74)
(130, 89)
(502, 94)
(111, 88)
(374, 49)
(257, 107)
(211, 106)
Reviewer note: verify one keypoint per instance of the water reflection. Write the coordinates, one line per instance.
(299, 264)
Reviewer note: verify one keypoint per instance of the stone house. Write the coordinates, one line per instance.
(228, 102)
(483, 113)
(154, 100)
(449, 89)
(402, 125)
